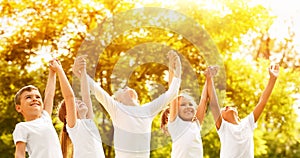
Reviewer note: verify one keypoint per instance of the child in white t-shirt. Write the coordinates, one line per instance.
(183, 122)
(132, 122)
(37, 134)
(236, 135)
(77, 117)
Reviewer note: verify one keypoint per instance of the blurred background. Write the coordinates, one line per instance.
(249, 35)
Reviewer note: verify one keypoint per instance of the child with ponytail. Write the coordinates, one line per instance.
(77, 116)
(183, 122)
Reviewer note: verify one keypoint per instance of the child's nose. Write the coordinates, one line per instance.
(189, 107)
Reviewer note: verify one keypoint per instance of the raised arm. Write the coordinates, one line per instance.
(85, 89)
(273, 72)
(101, 95)
(174, 70)
(50, 92)
(67, 92)
(213, 99)
(202, 104)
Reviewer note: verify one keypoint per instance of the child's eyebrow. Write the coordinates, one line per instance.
(185, 103)
(30, 95)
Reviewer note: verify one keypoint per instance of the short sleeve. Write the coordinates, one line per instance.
(20, 134)
(251, 121)
(222, 126)
(46, 116)
(172, 126)
(177, 128)
(73, 128)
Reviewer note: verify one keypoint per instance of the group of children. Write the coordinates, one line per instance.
(131, 121)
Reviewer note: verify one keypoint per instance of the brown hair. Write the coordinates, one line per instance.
(164, 120)
(65, 141)
(28, 88)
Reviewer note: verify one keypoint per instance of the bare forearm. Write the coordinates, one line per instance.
(65, 86)
(50, 87)
(202, 105)
(69, 97)
(173, 104)
(268, 90)
(264, 98)
(214, 104)
(50, 92)
(85, 92)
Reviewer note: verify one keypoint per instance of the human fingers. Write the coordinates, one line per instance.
(274, 70)
(214, 70)
(84, 56)
(172, 55)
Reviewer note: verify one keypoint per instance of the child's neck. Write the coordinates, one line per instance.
(31, 117)
(236, 121)
(131, 103)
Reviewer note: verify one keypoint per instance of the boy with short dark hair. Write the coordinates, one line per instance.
(37, 134)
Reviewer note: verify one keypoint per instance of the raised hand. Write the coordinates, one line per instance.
(274, 70)
(79, 65)
(211, 71)
(55, 65)
(174, 63)
(214, 70)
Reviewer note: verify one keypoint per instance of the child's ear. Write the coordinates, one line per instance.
(18, 108)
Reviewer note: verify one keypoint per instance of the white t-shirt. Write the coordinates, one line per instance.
(86, 139)
(132, 124)
(237, 140)
(40, 137)
(186, 139)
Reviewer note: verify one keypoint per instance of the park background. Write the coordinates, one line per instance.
(249, 36)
